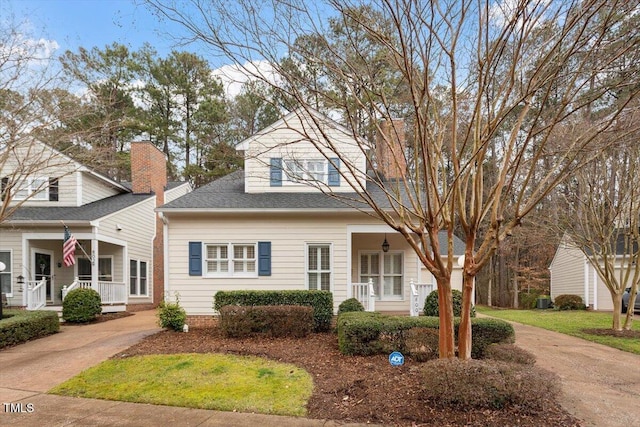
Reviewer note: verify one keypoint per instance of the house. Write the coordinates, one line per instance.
(266, 228)
(573, 273)
(119, 235)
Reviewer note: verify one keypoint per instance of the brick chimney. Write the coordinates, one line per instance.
(390, 149)
(149, 175)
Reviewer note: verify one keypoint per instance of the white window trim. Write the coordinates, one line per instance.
(306, 263)
(380, 296)
(287, 180)
(231, 273)
(40, 192)
(10, 273)
(138, 294)
(100, 257)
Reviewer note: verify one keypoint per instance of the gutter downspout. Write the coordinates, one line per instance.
(165, 250)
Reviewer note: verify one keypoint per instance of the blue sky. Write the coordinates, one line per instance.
(89, 23)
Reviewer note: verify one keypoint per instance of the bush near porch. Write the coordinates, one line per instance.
(366, 333)
(21, 325)
(321, 301)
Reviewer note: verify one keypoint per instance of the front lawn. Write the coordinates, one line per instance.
(577, 323)
(207, 381)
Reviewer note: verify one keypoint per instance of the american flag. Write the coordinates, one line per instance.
(68, 248)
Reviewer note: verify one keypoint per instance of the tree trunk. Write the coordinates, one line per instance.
(464, 330)
(617, 309)
(446, 342)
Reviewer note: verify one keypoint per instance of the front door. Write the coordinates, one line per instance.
(42, 270)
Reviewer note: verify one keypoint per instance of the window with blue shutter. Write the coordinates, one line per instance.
(53, 189)
(264, 258)
(195, 258)
(334, 174)
(276, 172)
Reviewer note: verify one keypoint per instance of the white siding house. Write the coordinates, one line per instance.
(266, 228)
(115, 228)
(572, 273)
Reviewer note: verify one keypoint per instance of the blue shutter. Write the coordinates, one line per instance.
(264, 258)
(276, 172)
(334, 175)
(195, 258)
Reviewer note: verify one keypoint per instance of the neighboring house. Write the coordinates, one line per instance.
(262, 229)
(115, 224)
(572, 273)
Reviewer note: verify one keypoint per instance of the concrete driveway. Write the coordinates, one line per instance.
(36, 366)
(600, 385)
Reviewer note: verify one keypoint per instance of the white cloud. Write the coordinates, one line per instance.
(235, 75)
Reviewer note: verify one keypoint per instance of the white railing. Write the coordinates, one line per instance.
(36, 294)
(365, 293)
(419, 292)
(110, 292)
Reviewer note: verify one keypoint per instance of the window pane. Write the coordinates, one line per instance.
(5, 257)
(212, 251)
(325, 281)
(104, 269)
(325, 261)
(313, 281)
(5, 282)
(212, 266)
(364, 264)
(143, 269)
(143, 278)
(224, 252)
(251, 252)
(84, 269)
(133, 277)
(224, 266)
(238, 251)
(375, 264)
(251, 266)
(313, 258)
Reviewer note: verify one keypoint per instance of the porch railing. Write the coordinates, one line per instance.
(36, 294)
(365, 293)
(419, 292)
(110, 292)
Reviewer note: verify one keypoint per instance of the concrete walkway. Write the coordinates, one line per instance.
(600, 385)
(28, 370)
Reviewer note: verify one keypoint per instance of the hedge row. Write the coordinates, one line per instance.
(23, 325)
(320, 301)
(373, 333)
(271, 320)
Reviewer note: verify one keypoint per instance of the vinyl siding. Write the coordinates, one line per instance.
(10, 240)
(567, 272)
(287, 142)
(176, 192)
(137, 225)
(93, 189)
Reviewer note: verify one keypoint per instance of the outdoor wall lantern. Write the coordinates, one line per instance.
(385, 244)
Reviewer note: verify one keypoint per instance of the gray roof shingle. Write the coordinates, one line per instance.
(88, 212)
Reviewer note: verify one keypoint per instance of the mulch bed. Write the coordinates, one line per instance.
(350, 388)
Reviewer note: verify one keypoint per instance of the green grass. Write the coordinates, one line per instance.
(570, 323)
(211, 381)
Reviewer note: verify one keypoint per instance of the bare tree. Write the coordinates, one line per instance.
(525, 85)
(603, 220)
(25, 77)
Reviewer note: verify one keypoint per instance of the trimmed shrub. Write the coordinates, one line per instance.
(509, 353)
(81, 305)
(569, 302)
(21, 325)
(365, 333)
(350, 305)
(171, 315)
(271, 320)
(528, 300)
(422, 343)
(320, 301)
(488, 384)
(431, 307)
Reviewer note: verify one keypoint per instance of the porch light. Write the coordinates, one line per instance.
(20, 279)
(385, 244)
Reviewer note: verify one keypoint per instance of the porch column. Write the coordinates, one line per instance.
(94, 263)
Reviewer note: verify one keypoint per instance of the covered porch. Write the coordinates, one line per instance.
(99, 264)
(386, 275)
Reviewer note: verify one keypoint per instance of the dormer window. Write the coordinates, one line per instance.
(306, 170)
(301, 171)
(33, 188)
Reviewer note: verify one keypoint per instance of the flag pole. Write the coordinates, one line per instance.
(78, 245)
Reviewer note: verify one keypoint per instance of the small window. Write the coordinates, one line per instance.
(33, 188)
(230, 259)
(306, 170)
(138, 278)
(105, 270)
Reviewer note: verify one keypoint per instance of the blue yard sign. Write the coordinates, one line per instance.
(396, 359)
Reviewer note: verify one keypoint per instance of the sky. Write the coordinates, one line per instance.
(89, 23)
